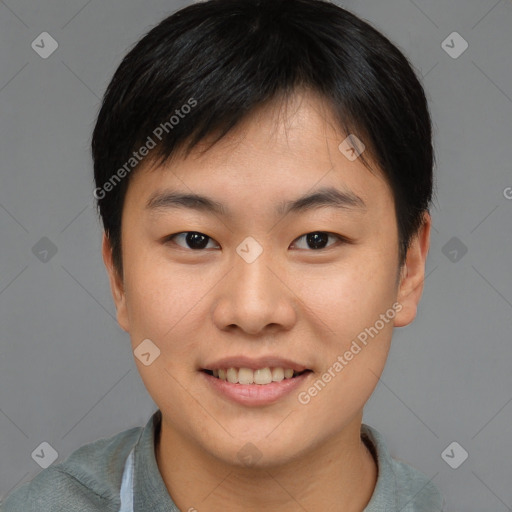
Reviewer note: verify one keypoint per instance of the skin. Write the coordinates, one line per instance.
(293, 301)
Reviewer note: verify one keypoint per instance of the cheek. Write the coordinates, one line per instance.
(164, 304)
(356, 303)
(360, 315)
(351, 295)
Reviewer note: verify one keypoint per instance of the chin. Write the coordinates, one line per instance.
(258, 453)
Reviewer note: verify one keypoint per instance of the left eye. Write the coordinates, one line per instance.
(318, 239)
(197, 241)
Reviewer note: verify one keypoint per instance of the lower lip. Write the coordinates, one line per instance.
(255, 394)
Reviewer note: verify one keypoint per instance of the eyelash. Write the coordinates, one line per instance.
(341, 239)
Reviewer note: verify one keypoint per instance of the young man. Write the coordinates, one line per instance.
(264, 173)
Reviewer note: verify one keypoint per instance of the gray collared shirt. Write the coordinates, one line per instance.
(120, 474)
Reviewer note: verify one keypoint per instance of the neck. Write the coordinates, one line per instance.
(338, 475)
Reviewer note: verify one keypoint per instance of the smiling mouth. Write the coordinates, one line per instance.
(260, 376)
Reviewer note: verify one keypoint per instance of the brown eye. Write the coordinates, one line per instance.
(194, 239)
(317, 240)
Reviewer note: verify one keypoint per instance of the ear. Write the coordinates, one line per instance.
(116, 284)
(412, 274)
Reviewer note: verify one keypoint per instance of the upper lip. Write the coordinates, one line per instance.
(255, 363)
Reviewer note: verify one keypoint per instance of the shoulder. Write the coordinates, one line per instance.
(88, 480)
(415, 491)
(399, 485)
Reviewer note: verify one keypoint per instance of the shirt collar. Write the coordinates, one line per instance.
(384, 497)
(150, 492)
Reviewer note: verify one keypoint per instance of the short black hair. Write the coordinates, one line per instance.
(200, 71)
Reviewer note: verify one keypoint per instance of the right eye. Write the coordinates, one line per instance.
(194, 239)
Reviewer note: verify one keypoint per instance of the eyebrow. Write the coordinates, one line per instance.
(329, 197)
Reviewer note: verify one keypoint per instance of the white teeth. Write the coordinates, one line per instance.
(232, 375)
(277, 374)
(260, 376)
(245, 376)
(263, 376)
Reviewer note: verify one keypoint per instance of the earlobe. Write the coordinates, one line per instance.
(412, 274)
(116, 284)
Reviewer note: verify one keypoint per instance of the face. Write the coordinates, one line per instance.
(259, 285)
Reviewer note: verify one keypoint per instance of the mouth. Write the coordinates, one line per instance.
(261, 376)
(254, 387)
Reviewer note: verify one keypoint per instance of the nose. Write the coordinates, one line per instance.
(255, 298)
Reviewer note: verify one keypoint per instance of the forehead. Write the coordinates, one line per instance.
(278, 153)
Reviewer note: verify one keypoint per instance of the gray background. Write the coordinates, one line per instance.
(67, 374)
